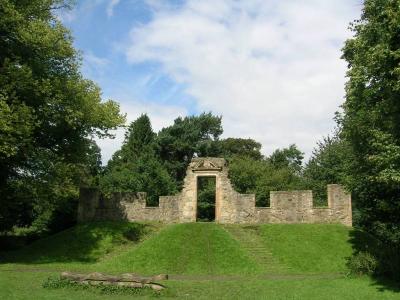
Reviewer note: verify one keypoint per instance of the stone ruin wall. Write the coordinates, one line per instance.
(93, 206)
(231, 206)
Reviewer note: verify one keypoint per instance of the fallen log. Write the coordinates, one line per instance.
(127, 279)
(153, 285)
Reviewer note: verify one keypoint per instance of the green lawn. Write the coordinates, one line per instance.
(28, 285)
(309, 248)
(205, 261)
(79, 247)
(193, 248)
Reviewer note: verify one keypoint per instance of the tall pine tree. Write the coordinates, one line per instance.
(136, 167)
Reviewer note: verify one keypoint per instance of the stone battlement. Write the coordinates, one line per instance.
(230, 206)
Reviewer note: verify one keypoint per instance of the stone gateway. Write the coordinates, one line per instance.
(230, 206)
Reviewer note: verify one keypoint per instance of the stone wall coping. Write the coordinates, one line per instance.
(321, 207)
(274, 208)
(289, 192)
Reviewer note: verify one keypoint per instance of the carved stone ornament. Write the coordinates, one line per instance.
(206, 165)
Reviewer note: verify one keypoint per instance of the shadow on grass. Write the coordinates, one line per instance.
(387, 259)
(85, 243)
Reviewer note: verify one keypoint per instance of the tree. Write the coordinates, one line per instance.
(259, 177)
(48, 113)
(136, 167)
(186, 138)
(290, 157)
(139, 136)
(206, 198)
(371, 122)
(241, 147)
(327, 165)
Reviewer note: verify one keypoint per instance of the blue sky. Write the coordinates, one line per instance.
(271, 68)
(101, 32)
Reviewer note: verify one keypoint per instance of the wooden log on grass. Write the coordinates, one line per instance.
(127, 279)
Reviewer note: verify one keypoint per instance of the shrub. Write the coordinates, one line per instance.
(135, 231)
(362, 263)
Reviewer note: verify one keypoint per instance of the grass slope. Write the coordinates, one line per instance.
(210, 261)
(192, 248)
(309, 248)
(79, 246)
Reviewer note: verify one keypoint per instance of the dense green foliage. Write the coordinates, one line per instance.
(232, 147)
(362, 263)
(136, 167)
(206, 198)
(157, 163)
(188, 137)
(327, 165)
(48, 117)
(290, 158)
(371, 123)
(264, 175)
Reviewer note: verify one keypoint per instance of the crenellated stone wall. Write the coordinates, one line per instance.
(230, 206)
(94, 206)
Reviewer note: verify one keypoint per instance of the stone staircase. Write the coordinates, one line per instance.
(250, 240)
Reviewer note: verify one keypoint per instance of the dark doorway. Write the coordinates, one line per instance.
(206, 199)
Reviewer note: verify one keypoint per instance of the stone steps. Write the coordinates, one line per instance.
(251, 241)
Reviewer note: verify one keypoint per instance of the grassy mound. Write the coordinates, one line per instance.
(205, 260)
(192, 248)
(206, 248)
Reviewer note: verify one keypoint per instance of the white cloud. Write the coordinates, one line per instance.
(271, 68)
(110, 7)
(160, 116)
(94, 65)
(66, 15)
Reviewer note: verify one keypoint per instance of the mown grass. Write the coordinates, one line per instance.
(192, 248)
(28, 285)
(309, 248)
(80, 246)
(210, 263)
